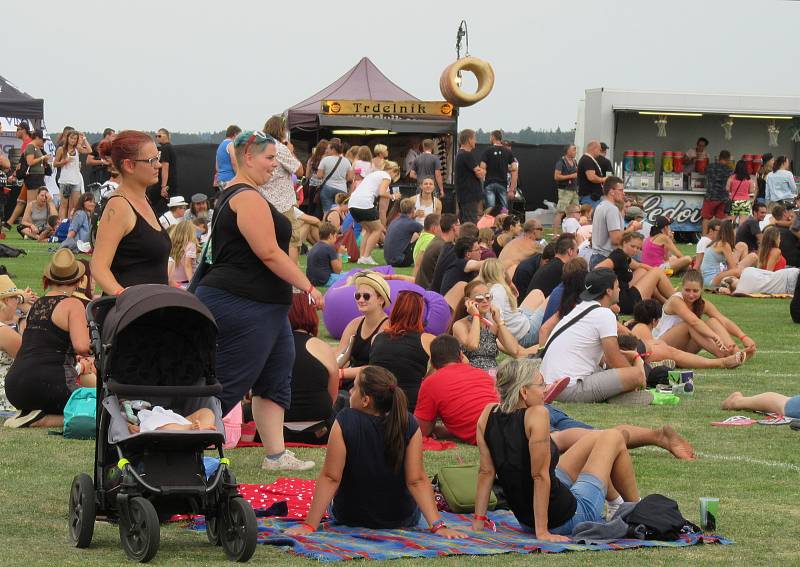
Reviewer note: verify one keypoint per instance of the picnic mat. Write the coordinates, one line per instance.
(428, 444)
(342, 543)
(296, 492)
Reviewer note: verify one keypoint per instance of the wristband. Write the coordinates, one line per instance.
(438, 525)
(308, 527)
(487, 523)
(310, 289)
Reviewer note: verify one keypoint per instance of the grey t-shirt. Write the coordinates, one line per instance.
(607, 217)
(426, 165)
(338, 180)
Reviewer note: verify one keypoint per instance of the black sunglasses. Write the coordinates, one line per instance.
(358, 295)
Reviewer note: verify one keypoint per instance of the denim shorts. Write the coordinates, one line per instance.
(535, 318)
(559, 421)
(792, 408)
(590, 495)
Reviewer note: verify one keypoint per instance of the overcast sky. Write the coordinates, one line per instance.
(200, 65)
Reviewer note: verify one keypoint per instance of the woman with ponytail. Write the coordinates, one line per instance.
(548, 494)
(373, 475)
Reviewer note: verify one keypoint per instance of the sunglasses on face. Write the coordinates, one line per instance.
(366, 296)
(482, 297)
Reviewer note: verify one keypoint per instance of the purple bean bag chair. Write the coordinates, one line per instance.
(340, 306)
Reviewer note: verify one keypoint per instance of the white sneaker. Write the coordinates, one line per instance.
(287, 462)
(367, 260)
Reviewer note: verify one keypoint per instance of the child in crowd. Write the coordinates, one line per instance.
(142, 418)
(485, 241)
(183, 255)
(373, 475)
(324, 263)
(200, 229)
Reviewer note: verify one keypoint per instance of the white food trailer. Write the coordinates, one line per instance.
(659, 122)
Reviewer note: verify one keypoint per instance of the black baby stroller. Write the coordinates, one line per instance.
(157, 344)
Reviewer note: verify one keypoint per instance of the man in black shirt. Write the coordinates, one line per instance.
(447, 256)
(529, 266)
(605, 164)
(468, 176)
(548, 276)
(97, 162)
(749, 231)
(590, 176)
(790, 245)
(497, 161)
(167, 185)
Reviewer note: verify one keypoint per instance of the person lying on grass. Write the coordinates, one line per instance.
(646, 316)
(456, 394)
(548, 494)
(682, 325)
(373, 475)
(768, 402)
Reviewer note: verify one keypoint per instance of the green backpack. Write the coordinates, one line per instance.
(80, 414)
(458, 484)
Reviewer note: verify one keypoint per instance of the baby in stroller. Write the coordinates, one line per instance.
(142, 417)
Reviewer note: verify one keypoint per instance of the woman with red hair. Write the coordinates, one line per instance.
(315, 375)
(131, 247)
(404, 348)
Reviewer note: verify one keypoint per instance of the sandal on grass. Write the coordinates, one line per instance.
(775, 419)
(735, 420)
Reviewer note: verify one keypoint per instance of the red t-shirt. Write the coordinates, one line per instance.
(457, 394)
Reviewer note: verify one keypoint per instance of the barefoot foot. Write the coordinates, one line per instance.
(676, 444)
(730, 402)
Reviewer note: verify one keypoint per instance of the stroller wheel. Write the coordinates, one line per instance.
(81, 511)
(237, 530)
(212, 530)
(139, 530)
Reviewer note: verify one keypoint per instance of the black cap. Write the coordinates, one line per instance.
(38, 133)
(597, 283)
(603, 146)
(662, 221)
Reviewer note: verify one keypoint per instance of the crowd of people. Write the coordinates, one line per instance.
(550, 308)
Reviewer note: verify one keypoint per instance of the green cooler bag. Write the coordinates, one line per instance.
(458, 484)
(80, 414)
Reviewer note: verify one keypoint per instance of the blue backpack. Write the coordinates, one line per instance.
(80, 414)
(62, 231)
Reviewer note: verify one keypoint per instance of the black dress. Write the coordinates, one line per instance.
(142, 255)
(43, 375)
(403, 356)
(359, 354)
(310, 398)
(508, 445)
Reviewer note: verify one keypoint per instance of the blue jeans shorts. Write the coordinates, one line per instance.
(590, 495)
(792, 408)
(535, 318)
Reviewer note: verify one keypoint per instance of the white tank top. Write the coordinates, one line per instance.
(71, 171)
(667, 321)
(428, 209)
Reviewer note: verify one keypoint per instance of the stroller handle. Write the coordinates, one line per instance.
(139, 390)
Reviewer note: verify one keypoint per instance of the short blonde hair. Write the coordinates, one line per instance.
(513, 374)
(381, 149)
(392, 168)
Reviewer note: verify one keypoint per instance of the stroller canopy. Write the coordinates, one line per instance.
(158, 335)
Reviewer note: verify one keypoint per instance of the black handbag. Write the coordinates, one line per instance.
(318, 194)
(205, 252)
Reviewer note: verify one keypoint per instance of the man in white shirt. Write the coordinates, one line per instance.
(577, 351)
(177, 208)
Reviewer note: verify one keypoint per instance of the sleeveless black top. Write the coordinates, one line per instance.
(359, 354)
(310, 398)
(235, 268)
(404, 357)
(508, 445)
(142, 255)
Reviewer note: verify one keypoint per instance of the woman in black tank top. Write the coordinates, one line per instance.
(131, 246)
(514, 441)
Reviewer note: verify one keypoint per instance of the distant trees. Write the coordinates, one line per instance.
(530, 136)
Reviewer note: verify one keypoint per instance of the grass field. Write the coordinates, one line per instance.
(754, 471)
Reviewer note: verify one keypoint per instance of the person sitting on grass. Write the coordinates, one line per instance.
(485, 241)
(309, 227)
(510, 228)
(81, 224)
(373, 475)
(770, 257)
(589, 336)
(53, 360)
(183, 254)
(403, 347)
(646, 315)
(659, 249)
(15, 304)
(403, 231)
(768, 402)
(324, 265)
(425, 264)
(430, 230)
(483, 328)
(548, 493)
(637, 281)
(465, 264)
(724, 251)
(524, 246)
(456, 394)
(36, 223)
(682, 325)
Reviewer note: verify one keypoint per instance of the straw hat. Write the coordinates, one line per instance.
(64, 268)
(9, 289)
(376, 282)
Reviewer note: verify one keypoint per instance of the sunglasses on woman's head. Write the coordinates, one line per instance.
(358, 295)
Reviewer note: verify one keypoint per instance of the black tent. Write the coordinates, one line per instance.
(19, 105)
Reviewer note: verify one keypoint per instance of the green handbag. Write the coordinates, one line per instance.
(458, 484)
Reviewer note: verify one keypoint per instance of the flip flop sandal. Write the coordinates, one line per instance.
(555, 389)
(735, 420)
(775, 419)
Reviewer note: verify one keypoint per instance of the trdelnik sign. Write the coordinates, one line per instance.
(683, 208)
(435, 108)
